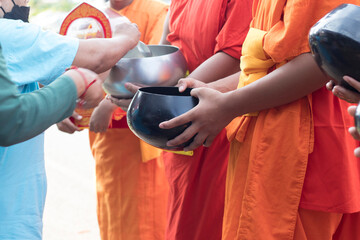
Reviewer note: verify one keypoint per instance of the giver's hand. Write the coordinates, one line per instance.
(101, 116)
(67, 125)
(124, 103)
(207, 119)
(353, 131)
(88, 85)
(184, 83)
(343, 93)
(129, 31)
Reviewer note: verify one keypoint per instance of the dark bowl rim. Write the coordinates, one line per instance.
(186, 93)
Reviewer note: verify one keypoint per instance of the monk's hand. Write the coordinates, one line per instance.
(207, 119)
(330, 85)
(124, 103)
(352, 130)
(345, 94)
(68, 126)
(101, 116)
(184, 83)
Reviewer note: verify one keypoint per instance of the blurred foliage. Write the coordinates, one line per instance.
(38, 6)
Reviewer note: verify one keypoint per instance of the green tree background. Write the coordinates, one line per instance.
(38, 6)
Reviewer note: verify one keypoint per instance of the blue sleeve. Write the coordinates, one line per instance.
(34, 55)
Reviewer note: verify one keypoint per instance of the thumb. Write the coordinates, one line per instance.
(352, 110)
(76, 116)
(196, 92)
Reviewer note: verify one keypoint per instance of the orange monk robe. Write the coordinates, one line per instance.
(131, 186)
(279, 157)
(201, 28)
(149, 16)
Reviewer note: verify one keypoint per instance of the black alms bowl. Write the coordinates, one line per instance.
(152, 105)
(335, 43)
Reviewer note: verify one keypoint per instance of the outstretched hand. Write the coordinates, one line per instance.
(207, 119)
(68, 126)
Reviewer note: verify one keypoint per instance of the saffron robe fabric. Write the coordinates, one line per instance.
(275, 152)
(197, 183)
(132, 190)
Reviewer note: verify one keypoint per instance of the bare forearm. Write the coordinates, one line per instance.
(100, 55)
(226, 84)
(218, 66)
(294, 80)
(166, 30)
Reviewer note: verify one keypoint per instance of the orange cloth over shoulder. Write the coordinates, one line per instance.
(269, 152)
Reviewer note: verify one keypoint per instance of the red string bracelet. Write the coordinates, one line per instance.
(84, 78)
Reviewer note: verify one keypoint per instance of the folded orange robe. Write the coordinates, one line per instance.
(270, 149)
(200, 29)
(131, 186)
(326, 225)
(131, 194)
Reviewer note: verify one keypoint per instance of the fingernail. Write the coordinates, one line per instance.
(181, 88)
(78, 117)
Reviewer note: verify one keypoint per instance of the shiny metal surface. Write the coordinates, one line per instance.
(141, 50)
(164, 68)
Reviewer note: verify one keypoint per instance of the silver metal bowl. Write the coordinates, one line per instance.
(166, 66)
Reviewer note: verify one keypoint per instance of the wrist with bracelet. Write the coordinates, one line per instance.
(87, 85)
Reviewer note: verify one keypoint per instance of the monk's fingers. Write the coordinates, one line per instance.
(183, 84)
(198, 141)
(183, 137)
(357, 152)
(189, 83)
(122, 103)
(354, 133)
(133, 87)
(177, 121)
(352, 82)
(352, 110)
(346, 95)
(209, 140)
(204, 93)
(330, 85)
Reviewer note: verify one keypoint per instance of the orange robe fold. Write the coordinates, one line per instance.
(201, 29)
(131, 194)
(132, 190)
(270, 150)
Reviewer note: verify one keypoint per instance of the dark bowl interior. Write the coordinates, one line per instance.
(335, 43)
(152, 105)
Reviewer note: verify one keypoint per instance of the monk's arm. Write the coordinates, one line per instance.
(216, 67)
(166, 30)
(226, 84)
(296, 79)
